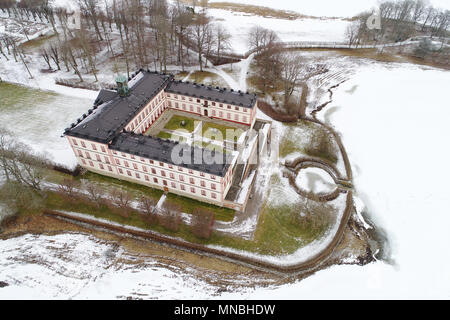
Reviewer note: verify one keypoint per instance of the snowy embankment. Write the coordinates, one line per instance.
(393, 120)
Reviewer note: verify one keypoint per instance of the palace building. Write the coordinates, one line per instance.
(118, 137)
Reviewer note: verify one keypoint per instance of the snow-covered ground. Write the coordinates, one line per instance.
(38, 118)
(239, 24)
(78, 266)
(393, 120)
(315, 179)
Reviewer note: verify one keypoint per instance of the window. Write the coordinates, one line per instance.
(198, 100)
(101, 166)
(98, 158)
(144, 168)
(88, 155)
(91, 163)
(153, 171)
(165, 183)
(163, 173)
(213, 195)
(214, 104)
(129, 173)
(74, 142)
(161, 164)
(236, 117)
(132, 157)
(151, 161)
(213, 177)
(84, 162)
(80, 153)
(170, 166)
(135, 166)
(244, 119)
(182, 187)
(221, 105)
(172, 176)
(220, 114)
(202, 183)
(191, 108)
(126, 164)
(228, 115)
(107, 160)
(198, 110)
(214, 113)
(244, 109)
(118, 162)
(137, 175)
(146, 177)
(202, 174)
(181, 178)
(83, 144)
(120, 170)
(183, 98)
(172, 184)
(213, 186)
(228, 106)
(190, 171)
(192, 190)
(180, 169)
(142, 159)
(203, 193)
(155, 180)
(236, 108)
(191, 180)
(110, 168)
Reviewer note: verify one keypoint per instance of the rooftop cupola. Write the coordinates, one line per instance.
(122, 85)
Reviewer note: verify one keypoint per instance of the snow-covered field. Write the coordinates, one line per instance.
(239, 24)
(315, 180)
(393, 119)
(77, 266)
(38, 118)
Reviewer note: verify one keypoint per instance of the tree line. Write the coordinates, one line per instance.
(133, 34)
(400, 20)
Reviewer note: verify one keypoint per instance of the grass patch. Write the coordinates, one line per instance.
(37, 42)
(222, 129)
(309, 138)
(136, 189)
(201, 76)
(175, 123)
(188, 205)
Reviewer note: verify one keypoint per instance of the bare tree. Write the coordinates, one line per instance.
(291, 74)
(222, 40)
(54, 54)
(68, 187)
(46, 56)
(148, 206)
(94, 193)
(202, 222)
(121, 199)
(170, 216)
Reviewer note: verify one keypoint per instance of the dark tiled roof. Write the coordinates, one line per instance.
(112, 112)
(105, 95)
(217, 94)
(161, 150)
